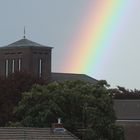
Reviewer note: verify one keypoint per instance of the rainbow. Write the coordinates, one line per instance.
(93, 42)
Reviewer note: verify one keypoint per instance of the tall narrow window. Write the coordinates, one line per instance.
(13, 66)
(19, 64)
(6, 67)
(40, 67)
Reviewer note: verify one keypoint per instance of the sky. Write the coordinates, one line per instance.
(65, 25)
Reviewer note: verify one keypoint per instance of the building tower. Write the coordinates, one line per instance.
(27, 56)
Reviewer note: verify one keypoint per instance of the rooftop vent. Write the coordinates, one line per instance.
(58, 127)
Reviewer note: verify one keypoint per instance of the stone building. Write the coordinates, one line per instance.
(28, 56)
(34, 58)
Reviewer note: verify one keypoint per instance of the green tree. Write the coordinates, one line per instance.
(86, 109)
(11, 89)
(123, 93)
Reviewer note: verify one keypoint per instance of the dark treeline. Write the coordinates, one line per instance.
(123, 93)
(24, 101)
(11, 89)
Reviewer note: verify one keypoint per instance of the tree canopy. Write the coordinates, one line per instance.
(123, 93)
(11, 89)
(85, 109)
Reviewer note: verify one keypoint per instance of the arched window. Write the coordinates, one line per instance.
(40, 67)
(13, 66)
(19, 64)
(6, 67)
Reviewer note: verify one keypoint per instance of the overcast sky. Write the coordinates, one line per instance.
(53, 23)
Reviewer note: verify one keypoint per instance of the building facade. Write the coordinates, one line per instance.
(27, 56)
(33, 58)
(128, 115)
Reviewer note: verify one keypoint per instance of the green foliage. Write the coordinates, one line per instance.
(11, 89)
(123, 93)
(14, 124)
(86, 109)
